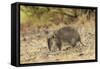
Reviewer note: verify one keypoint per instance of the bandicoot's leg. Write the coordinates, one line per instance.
(49, 44)
(58, 43)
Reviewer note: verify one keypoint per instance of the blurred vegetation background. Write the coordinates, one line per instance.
(45, 17)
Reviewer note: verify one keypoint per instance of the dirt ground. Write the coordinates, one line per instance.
(34, 49)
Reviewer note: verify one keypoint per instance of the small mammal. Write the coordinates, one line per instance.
(65, 34)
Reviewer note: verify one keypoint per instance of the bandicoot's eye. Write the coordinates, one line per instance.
(53, 36)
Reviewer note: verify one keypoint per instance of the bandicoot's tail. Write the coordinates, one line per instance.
(82, 43)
